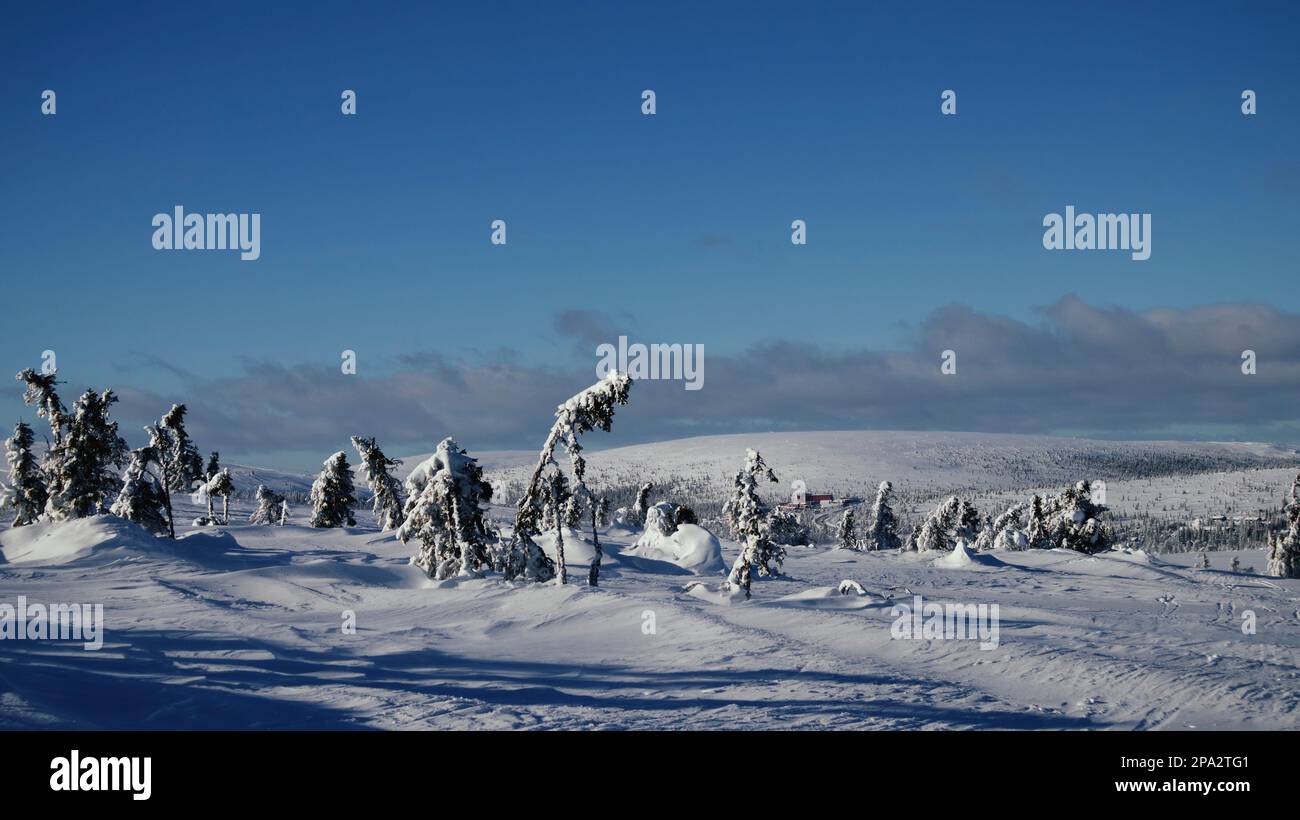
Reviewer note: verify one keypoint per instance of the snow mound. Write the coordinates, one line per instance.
(578, 550)
(62, 542)
(821, 598)
(691, 547)
(959, 558)
(1136, 555)
(715, 594)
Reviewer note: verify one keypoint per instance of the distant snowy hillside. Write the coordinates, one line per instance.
(924, 463)
(247, 478)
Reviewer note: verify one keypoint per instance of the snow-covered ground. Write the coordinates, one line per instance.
(241, 627)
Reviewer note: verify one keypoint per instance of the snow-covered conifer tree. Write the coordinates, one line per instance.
(268, 506)
(591, 409)
(749, 519)
(987, 535)
(939, 531)
(552, 512)
(786, 527)
(968, 523)
(1204, 562)
(26, 492)
(846, 533)
(642, 504)
(1008, 529)
(883, 534)
(209, 520)
(1077, 521)
(1284, 548)
(571, 512)
(557, 500)
(1038, 532)
(141, 498)
(387, 490)
(85, 460)
(445, 498)
(222, 485)
(185, 465)
(214, 465)
(332, 496)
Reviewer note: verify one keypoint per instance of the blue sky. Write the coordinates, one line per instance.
(673, 228)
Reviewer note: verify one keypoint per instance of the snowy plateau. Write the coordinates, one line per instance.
(243, 626)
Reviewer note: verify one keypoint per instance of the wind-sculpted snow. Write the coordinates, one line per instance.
(243, 627)
(689, 547)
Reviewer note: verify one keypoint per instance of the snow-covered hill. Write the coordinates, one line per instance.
(852, 461)
(247, 478)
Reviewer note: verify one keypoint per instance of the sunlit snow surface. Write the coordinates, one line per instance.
(241, 628)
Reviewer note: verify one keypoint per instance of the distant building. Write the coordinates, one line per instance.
(801, 499)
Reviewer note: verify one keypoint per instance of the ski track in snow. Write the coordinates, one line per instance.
(241, 628)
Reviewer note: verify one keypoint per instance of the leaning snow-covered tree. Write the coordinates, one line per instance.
(1284, 548)
(883, 534)
(386, 490)
(332, 494)
(85, 461)
(846, 533)
(185, 469)
(180, 468)
(40, 390)
(591, 409)
(26, 494)
(445, 511)
(221, 485)
(141, 498)
(749, 519)
(268, 506)
(158, 461)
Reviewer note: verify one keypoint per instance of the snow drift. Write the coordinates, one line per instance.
(691, 547)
